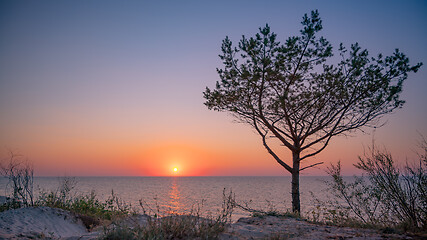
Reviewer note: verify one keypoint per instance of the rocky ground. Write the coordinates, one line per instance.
(44, 222)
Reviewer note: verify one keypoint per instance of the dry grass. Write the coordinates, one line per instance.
(174, 226)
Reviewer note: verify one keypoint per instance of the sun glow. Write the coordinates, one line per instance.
(175, 169)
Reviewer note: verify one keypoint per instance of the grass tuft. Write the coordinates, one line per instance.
(175, 226)
(88, 208)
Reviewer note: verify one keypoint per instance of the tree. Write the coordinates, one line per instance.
(295, 94)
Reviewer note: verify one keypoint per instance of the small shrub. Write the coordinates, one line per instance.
(334, 212)
(87, 207)
(389, 197)
(10, 204)
(120, 233)
(89, 221)
(20, 175)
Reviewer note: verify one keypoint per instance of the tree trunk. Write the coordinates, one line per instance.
(296, 208)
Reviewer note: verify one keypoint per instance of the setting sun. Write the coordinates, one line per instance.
(175, 169)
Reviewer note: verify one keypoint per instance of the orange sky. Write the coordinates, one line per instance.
(220, 147)
(116, 89)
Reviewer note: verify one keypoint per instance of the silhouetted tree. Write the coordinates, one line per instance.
(290, 93)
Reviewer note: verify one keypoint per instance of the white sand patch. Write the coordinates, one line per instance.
(50, 222)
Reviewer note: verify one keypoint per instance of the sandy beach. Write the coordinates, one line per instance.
(52, 223)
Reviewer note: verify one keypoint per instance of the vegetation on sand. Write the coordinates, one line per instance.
(388, 197)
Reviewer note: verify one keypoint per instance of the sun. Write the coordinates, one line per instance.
(175, 169)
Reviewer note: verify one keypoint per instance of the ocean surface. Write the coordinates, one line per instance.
(184, 194)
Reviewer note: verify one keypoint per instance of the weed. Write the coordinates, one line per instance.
(389, 197)
(175, 226)
(20, 175)
(87, 207)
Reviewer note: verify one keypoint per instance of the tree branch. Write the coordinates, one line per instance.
(270, 151)
(311, 166)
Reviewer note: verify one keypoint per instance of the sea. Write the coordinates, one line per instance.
(184, 195)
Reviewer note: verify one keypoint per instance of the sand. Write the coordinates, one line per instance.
(39, 222)
(270, 227)
(45, 222)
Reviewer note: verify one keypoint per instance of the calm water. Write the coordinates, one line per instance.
(181, 194)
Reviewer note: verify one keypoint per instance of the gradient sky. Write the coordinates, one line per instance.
(115, 87)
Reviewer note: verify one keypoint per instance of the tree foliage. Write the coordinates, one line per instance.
(298, 93)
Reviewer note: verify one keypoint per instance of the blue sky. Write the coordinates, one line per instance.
(132, 73)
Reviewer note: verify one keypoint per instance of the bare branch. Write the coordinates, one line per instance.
(311, 166)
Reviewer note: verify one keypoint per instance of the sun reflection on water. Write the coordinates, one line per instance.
(175, 205)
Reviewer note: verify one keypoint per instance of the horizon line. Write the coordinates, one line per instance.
(195, 176)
